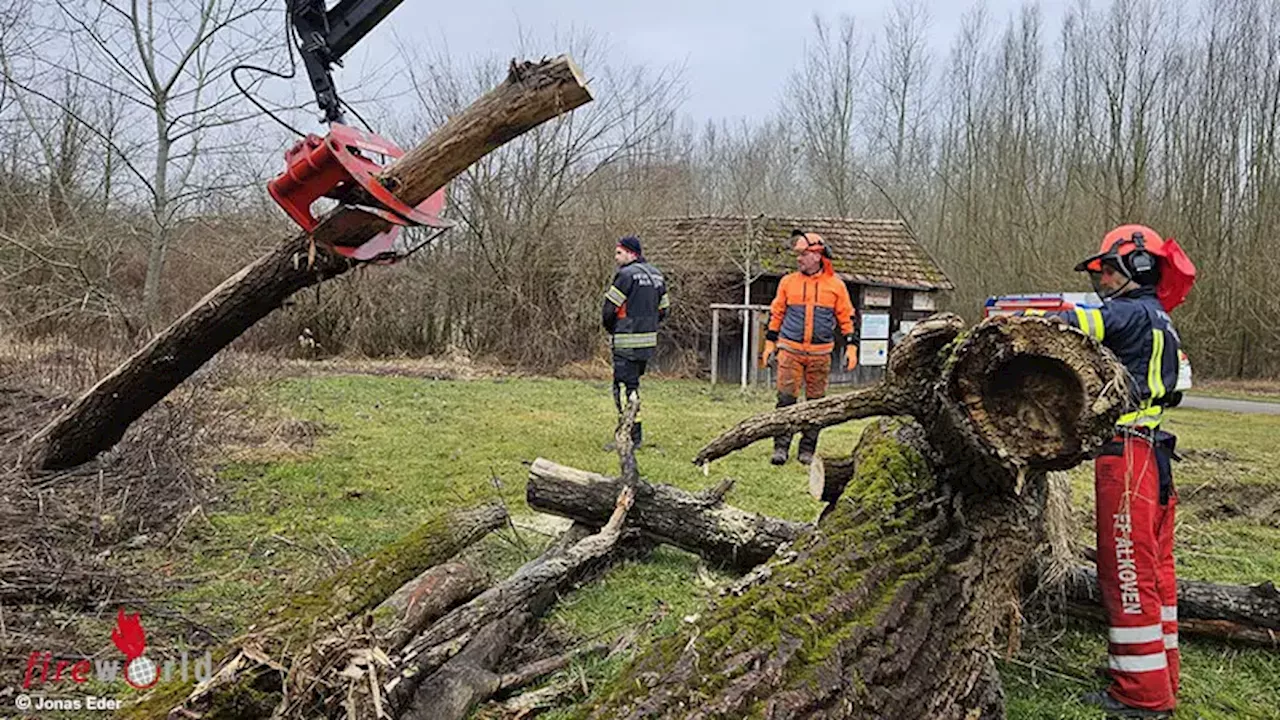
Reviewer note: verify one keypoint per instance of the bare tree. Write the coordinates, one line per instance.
(165, 65)
(901, 110)
(823, 96)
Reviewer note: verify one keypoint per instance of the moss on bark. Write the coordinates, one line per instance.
(254, 689)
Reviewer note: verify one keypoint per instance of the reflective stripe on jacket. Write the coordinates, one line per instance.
(634, 306)
(1136, 328)
(808, 309)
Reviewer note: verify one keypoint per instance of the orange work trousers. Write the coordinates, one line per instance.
(796, 372)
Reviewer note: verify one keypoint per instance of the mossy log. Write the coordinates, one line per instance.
(532, 94)
(888, 608)
(251, 668)
(424, 600)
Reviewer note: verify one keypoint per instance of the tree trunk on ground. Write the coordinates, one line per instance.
(528, 590)
(698, 522)
(250, 670)
(423, 600)
(1240, 613)
(469, 678)
(888, 608)
(531, 95)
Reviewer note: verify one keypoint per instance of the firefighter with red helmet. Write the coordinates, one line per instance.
(810, 306)
(1140, 278)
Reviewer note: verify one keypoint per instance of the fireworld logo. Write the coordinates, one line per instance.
(140, 671)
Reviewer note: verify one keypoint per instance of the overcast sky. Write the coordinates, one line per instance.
(736, 54)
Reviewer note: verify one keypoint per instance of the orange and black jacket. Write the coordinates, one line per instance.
(808, 310)
(634, 306)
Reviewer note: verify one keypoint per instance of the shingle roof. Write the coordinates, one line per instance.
(867, 252)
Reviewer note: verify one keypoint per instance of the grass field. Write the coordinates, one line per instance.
(385, 453)
(1257, 390)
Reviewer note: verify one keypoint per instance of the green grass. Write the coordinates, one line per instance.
(400, 450)
(1259, 390)
(1235, 395)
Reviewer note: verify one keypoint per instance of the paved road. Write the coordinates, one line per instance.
(1201, 402)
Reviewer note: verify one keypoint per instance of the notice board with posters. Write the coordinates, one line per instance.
(873, 352)
(923, 302)
(875, 326)
(877, 296)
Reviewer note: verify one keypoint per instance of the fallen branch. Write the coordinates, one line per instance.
(722, 534)
(451, 634)
(423, 600)
(1238, 613)
(538, 669)
(252, 667)
(530, 704)
(630, 472)
(905, 385)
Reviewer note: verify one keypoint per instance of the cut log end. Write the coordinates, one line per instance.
(817, 478)
(1033, 392)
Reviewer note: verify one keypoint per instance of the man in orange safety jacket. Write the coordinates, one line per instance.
(810, 307)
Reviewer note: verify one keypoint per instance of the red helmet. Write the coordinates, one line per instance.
(809, 242)
(1141, 255)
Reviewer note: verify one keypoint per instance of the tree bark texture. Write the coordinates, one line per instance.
(888, 608)
(531, 95)
(469, 678)
(529, 589)
(250, 670)
(423, 600)
(700, 523)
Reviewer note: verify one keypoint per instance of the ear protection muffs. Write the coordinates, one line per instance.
(1140, 261)
(826, 251)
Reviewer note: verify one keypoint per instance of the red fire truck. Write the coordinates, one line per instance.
(1057, 302)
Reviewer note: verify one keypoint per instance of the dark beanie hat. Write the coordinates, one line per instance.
(632, 243)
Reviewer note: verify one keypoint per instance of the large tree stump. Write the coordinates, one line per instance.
(889, 607)
(531, 95)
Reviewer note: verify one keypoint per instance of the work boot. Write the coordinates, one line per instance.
(808, 445)
(1116, 709)
(781, 449)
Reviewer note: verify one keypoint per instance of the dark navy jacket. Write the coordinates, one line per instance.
(633, 308)
(1137, 329)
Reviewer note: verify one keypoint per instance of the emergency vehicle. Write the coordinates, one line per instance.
(1059, 302)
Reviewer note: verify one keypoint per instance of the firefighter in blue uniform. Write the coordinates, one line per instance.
(634, 306)
(1140, 278)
